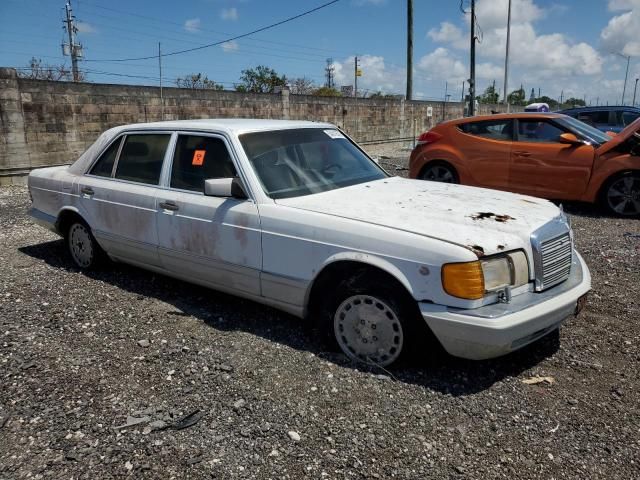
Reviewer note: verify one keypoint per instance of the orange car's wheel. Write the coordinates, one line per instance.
(439, 171)
(621, 194)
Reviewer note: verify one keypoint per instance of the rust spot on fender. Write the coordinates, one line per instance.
(497, 218)
(424, 270)
(500, 247)
(477, 249)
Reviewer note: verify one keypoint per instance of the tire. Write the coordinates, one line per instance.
(439, 171)
(83, 247)
(621, 195)
(373, 322)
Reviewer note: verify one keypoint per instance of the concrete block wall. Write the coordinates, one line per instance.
(45, 123)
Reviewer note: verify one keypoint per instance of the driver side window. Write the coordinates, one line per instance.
(538, 131)
(198, 158)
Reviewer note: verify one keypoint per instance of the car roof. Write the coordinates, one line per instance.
(601, 108)
(503, 116)
(229, 125)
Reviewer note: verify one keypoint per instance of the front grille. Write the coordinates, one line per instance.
(552, 246)
(555, 260)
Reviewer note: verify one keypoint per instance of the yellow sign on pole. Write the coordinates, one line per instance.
(358, 73)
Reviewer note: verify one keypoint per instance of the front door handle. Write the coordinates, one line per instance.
(522, 154)
(87, 190)
(168, 205)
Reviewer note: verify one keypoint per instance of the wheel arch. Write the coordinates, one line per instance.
(65, 217)
(351, 263)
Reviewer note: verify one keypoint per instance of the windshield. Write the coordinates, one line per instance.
(593, 135)
(297, 162)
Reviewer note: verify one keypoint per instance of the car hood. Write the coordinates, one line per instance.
(484, 221)
(620, 138)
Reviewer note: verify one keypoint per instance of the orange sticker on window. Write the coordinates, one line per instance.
(198, 157)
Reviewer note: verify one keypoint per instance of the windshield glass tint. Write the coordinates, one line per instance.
(293, 163)
(590, 133)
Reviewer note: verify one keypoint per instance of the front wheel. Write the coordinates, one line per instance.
(375, 321)
(368, 329)
(621, 195)
(85, 251)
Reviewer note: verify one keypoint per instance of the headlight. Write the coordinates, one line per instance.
(472, 280)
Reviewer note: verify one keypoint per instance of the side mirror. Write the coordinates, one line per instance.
(570, 138)
(225, 187)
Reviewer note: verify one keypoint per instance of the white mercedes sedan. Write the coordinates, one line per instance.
(295, 215)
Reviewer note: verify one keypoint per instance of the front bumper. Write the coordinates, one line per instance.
(495, 330)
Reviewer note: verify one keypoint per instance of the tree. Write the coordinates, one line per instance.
(553, 104)
(39, 71)
(327, 92)
(489, 96)
(261, 79)
(517, 97)
(575, 102)
(302, 86)
(197, 81)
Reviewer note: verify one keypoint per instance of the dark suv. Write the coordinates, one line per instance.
(607, 119)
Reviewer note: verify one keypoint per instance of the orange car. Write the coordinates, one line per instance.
(546, 155)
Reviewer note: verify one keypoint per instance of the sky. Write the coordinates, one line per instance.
(572, 48)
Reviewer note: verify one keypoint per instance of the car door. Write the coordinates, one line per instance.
(117, 196)
(212, 239)
(486, 149)
(542, 165)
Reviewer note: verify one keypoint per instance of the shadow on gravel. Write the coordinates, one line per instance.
(220, 311)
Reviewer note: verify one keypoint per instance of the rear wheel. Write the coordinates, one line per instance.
(439, 172)
(621, 195)
(85, 251)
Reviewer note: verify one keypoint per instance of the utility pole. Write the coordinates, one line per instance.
(75, 49)
(506, 58)
(355, 90)
(160, 68)
(561, 97)
(409, 49)
(472, 77)
(626, 75)
(635, 89)
(462, 96)
(329, 71)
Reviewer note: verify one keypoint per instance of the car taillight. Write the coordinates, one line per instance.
(428, 137)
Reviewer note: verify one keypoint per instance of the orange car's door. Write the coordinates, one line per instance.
(542, 165)
(485, 147)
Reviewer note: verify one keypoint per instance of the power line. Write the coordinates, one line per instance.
(262, 29)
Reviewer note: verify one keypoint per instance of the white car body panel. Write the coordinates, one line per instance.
(271, 251)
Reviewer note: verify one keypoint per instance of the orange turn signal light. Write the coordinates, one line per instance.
(463, 280)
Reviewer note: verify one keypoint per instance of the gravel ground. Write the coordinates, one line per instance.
(126, 373)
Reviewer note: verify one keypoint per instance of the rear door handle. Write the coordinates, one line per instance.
(522, 154)
(87, 190)
(168, 205)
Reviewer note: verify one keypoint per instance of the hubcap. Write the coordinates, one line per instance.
(80, 245)
(367, 329)
(439, 173)
(624, 196)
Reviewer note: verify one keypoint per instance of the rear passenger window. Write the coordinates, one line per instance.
(141, 158)
(594, 118)
(104, 165)
(629, 117)
(493, 129)
(198, 158)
